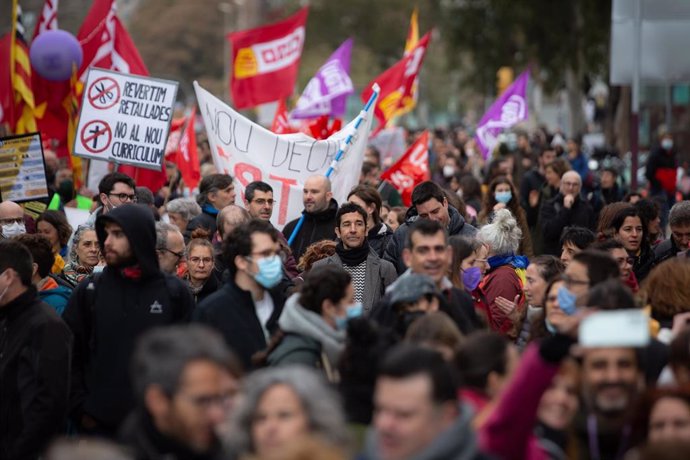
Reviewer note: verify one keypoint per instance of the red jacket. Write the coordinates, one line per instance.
(501, 281)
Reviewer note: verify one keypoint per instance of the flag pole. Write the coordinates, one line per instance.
(341, 151)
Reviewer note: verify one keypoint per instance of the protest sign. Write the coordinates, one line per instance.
(507, 111)
(22, 170)
(125, 119)
(249, 152)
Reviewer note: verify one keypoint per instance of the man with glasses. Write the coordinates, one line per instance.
(259, 202)
(185, 381)
(115, 189)
(566, 209)
(253, 289)
(370, 274)
(108, 311)
(679, 242)
(11, 219)
(169, 247)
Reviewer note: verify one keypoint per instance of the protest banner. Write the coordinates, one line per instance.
(411, 169)
(125, 119)
(508, 110)
(265, 60)
(22, 169)
(249, 152)
(327, 91)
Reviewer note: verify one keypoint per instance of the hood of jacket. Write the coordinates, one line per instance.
(324, 215)
(458, 442)
(296, 319)
(455, 224)
(138, 224)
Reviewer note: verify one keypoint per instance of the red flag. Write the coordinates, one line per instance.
(280, 124)
(107, 44)
(186, 157)
(411, 169)
(320, 129)
(265, 60)
(397, 82)
(48, 19)
(174, 135)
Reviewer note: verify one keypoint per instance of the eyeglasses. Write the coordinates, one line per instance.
(179, 255)
(573, 282)
(124, 197)
(205, 402)
(198, 260)
(263, 202)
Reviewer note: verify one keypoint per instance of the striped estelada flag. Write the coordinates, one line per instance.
(20, 76)
(71, 105)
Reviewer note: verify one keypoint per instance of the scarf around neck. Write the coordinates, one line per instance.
(352, 257)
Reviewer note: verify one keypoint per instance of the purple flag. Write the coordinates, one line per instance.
(508, 110)
(327, 91)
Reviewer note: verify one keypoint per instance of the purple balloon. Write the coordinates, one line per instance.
(52, 54)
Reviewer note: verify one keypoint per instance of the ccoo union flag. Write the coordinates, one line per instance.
(265, 61)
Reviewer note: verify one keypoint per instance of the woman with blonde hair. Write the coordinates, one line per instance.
(506, 275)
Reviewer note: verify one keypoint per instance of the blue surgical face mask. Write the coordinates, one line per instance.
(667, 144)
(270, 271)
(566, 301)
(503, 197)
(351, 312)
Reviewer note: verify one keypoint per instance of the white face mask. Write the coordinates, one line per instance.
(13, 229)
(667, 144)
(448, 171)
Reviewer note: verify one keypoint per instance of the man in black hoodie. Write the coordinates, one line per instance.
(34, 360)
(319, 216)
(108, 311)
(428, 202)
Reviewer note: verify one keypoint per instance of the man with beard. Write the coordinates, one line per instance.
(319, 215)
(185, 380)
(611, 381)
(108, 311)
(370, 275)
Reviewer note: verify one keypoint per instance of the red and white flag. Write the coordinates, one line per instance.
(187, 157)
(411, 169)
(107, 44)
(265, 61)
(48, 18)
(281, 123)
(397, 83)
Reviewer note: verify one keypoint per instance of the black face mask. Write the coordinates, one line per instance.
(66, 190)
(405, 319)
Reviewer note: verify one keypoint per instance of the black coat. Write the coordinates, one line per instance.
(394, 249)
(456, 303)
(232, 312)
(378, 238)
(317, 226)
(109, 311)
(554, 217)
(35, 349)
(145, 442)
(665, 250)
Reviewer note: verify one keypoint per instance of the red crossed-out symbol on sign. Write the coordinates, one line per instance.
(104, 93)
(96, 136)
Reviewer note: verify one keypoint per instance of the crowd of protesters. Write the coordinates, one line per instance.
(179, 328)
